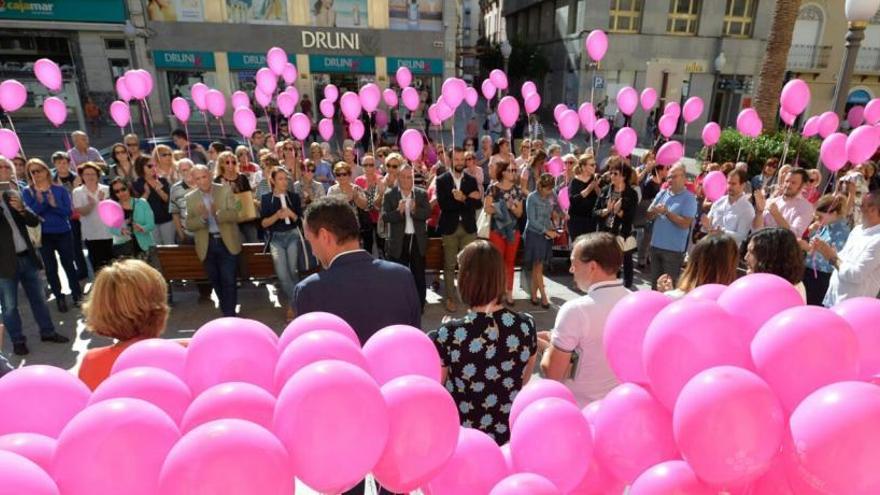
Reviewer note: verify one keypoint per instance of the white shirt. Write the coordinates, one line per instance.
(408, 201)
(733, 218)
(858, 274)
(580, 327)
(343, 254)
(283, 199)
(457, 180)
(93, 229)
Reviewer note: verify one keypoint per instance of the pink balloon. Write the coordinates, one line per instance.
(474, 468)
(498, 78)
(399, 350)
(711, 134)
(55, 110)
(433, 118)
(137, 84)
(597, 44)
(528, 88)
(587, 116)
(199, 92)
(569, 124)
(754, 299)
(263, 99)
(180, 109)
(707, 291)
(276, 59)
(381, 119)
(786, 117)
(333, 420)
(627, 100)
(601, 128)
(125, 95)
(795, 96)
(267, 81)
(715, 185)
(370, 96)
(37, 448)
(625, 141)
(552, 438)
(40, 399)
(722, 410)
(215, 102)
(667, 125)
(315, 321)
(300, 126)
(293, 92)
(532, 102)
(240, 99)
(828, 124)
(351, 106)
(488, 89)
(120, 113)
(325, 129)
(625, 330)
(872, 112)
(13, 95)
(672, 108)
(837, 438)
(811, 127)
(648, 99)
(103, 435)
(227, 456)
(286, 104)
(525, 484)
(356, 129)
(412, 143)
(861, 144)
(410, 98)
(331, 92)
(856, 116)
(416, 404)
(403, 76)
(327, 109)
(626, 452)
(670, 477)
(245, 121)
(862, 314)
(692, 109)
(453, 92)
(154, 385)
(564, 200)
(48, 74)
(148, 79)
(317, 346)
(555, 166)
(21, 475)
(535, 391)
(673, 334)
(748, 123)
(289, 73)
(390, 97)
(164, 354)
(557, 111)
(508, 111)
(471, 96)
(670, 153)
(444, 110)
(833, 151)
(9, 144)
(246, 347)
(111, 214)
(236, 400)
(802, 349)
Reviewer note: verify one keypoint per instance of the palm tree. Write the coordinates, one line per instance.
(775, 61)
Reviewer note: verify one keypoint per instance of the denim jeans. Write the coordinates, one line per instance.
(285, 248)
(220, 266)
(63, 245)
(28, 274)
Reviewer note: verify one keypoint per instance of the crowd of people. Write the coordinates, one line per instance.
(365, 215)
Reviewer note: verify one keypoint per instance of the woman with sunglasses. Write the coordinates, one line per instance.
(135, 238)
(227, 173)
(539, 235)
(163, 159)
(156, 190)
(121, 164)
(245, 165)
(348, 190)
(471, 168)
(52, 203)
(583, 192)
(505, 202)
(95, 234)
(374, 189)
(263, 183)
(830, 226)
(616, 210)
(289, 158)
(307, 187)
(323, 170)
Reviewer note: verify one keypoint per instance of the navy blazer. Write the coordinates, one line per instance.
(453, 212)
(368, 293)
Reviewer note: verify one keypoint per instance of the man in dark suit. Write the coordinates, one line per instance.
(405, 210)
(459, 197)
(20, 263)
(368, 293)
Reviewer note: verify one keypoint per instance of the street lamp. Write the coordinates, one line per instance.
(858, 13)
(130, 36)
(506, 49)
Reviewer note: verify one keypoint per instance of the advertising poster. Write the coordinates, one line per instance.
(416, 15)
(175, 10)
(338, 13)
(257, 11)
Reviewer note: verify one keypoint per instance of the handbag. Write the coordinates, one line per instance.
(484, 224)
(244, 203)
(36, 235)
(627, 244)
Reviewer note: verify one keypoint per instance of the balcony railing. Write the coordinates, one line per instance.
(808, 57)
(868, 60)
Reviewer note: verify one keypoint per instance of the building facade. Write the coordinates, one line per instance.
(468, 35)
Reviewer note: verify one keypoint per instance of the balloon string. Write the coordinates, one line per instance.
(684, 141)
(66, 142)
(20, 147)
(222, 128)
(268, 121)
(207, 124)
(146, 128)
(188, 148)
(149, 119)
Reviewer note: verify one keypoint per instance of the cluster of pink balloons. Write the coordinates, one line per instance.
(746, 370)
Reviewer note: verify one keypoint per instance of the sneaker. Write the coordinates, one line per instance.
(55, 337)
(20, 349)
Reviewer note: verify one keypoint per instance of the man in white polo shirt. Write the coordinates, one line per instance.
(580, 324)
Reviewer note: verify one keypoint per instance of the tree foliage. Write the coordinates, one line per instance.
(756, 151)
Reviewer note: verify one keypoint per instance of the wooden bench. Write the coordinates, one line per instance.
(180, 262)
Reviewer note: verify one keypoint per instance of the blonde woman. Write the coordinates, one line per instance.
(163, 159)
(227, 173)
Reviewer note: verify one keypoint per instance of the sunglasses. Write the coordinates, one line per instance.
(288, 148)
(369, 164)
(343, 174)
(164, 155)
(615, 173)
(470, 159)
(309, 170)
(148, 166)
(392, 166)
(34, 171)
(131, 145)
(229, 162)
(120, 151)
(118, 190)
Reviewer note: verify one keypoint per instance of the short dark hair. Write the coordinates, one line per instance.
(217, 146)
(601, 247)
(60, 155)
(831, 203)
(140, 164)
(776, 251)
(481, 278)
(179, 133)
(120, 180)
(805, 177)
(743, 176)
(335, 216)
(772, 162)
(500, 167)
